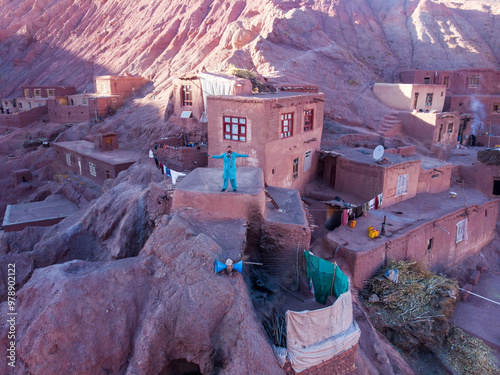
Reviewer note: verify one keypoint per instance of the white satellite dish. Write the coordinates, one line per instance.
(378, 152)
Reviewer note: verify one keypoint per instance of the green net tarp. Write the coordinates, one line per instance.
(322, 272)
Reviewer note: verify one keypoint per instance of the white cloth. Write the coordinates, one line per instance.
(151, 154)
(318, 335)
(175, 175)
(212, 84)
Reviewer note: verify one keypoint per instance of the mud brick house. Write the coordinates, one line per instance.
(409, 97)
(190, 93)
(280, 131)
(98, 161)
(473, 91)
(31, 106)
(419, 114)
(118, 85)
(82, 107)
(398, 177)
(434, 229)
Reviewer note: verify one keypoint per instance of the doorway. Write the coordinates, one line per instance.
(80, 166)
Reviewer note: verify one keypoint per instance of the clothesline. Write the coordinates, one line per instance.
(165, 170)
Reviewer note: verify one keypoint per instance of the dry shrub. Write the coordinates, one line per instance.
(469, 355)
(415, 311)
(257, 85)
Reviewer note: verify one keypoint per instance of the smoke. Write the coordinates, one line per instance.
(477, 108)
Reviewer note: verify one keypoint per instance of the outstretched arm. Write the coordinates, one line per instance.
(221, 156)
(240, 155)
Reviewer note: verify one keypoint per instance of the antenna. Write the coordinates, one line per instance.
(378, 152)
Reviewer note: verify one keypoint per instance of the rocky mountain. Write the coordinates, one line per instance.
(343, 46)
(111, 289)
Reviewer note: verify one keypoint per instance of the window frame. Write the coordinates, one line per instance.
(450, 128)
(242, 123)
(427, 80)
(462, 229)
(51, 92)
(428, 99)
(402, 184)
(473, 81)
(308, 120)
(307, 160)
(92, 169)
(68, 159)
(286, 117)
(186, 95)
(37, 93)
(295, 169)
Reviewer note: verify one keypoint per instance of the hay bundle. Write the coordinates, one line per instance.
(415, 311)
(469, 355)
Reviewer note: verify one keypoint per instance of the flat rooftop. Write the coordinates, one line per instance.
(209, 180)
(364, 155)
(54, 207)
(291, 210)
(404, 217)
(264, 97)
(114, 157)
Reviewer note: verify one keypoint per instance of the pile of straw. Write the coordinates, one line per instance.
(415, 311)
(469, 355)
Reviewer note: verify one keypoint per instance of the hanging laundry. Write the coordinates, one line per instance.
(156, 162)
(345, 217)
(376, 202)
(371, 204)
(166, 170)
(366, 207)
(161, 168)
(380, 199)
(175, 175)
(151, 154)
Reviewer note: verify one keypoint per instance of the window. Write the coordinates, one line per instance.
(450, 128)
(38, 104)
(20, 105)
(402, 186)
(308, 120)
(103, 87)
(84, 100)
(51, 92)
(474, 81)
(496, 187)
(496, 108)
(68, 159)
(462, 231)
(29, 104)
(295, 168)
(286, 125)
(427, 80)
(26, 93)
(446, 81)
(429, 243)
(235, 128)
(307, 160)
(38, 92)
(415, 102)
(187, 95)
(428, 99)
(92, 169)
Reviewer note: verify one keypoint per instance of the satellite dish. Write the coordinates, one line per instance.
(378, 152)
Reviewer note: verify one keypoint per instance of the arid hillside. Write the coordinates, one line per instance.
(343, 46)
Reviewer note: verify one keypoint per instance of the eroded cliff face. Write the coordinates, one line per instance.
(85, 266)
(343, 46)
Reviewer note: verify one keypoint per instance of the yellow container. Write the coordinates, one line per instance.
(375, 233)
(352, 224)
(371, 234)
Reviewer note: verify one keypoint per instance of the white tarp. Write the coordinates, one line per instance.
(212, 84)
(318, 335)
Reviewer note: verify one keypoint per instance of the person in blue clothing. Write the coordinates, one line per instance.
(229, 174)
